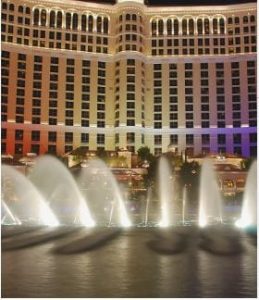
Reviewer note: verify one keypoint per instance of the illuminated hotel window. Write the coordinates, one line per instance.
(18, 135)
(100, 139)
(252, 103)
(84, 137)
(18, 149)
(222, 33)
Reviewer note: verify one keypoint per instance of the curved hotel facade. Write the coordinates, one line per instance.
(127, 75)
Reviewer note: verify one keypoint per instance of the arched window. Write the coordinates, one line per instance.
(90, 23)
(127, 17)
(206, 26)
(36, 17)
(176, 27)
(83, 23)
(252, 18)
(75, 22)
(160, 27)
(153, 27)
(222, 26)
(11, 7)
(105, 25)
(236, 20)
(99, 24)
(4, 5)
(184, 27)
(68, 20)
(27, 10)
(245, 19)
(199, 26)
(134, 17)
(191, 27)
(59, 19)
(43, 17)
(20, 9)
(215, 26)
(169, 27)
(52, 18)
(230, 20)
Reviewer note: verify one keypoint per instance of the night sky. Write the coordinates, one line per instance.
(179, 2)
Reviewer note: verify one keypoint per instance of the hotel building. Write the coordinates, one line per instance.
(127, 74)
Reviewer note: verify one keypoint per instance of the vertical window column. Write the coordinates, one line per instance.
(69, 110)
(101, 91)
(173, 98)
(205, 107)
(85, 104)
(20, 90)
(157, 75)
(236, 104)
(251, 85)
(5, 62)
(220, 90)
(53, 90)
(36, 93)
(189, 95)
(117, 99)
(131, 96)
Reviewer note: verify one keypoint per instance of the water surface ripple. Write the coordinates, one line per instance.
(126, 267)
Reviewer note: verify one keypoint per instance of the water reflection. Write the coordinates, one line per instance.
(178, 276)
(126, 267)
(223, 274)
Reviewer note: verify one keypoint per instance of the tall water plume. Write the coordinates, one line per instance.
(166, 193)
(99, 181)
(59, 188)
(249, 207)
(210, 202)
(184, 203)
(24, 200)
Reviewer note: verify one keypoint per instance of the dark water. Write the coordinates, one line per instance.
(126, 267)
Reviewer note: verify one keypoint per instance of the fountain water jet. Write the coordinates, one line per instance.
(165, 192)
(249, 207)
(58, 186)
(111, 213)
(24, 198)
(184, 203)
(105, 180)
(210, 202)
(149, 192)
(9, 215)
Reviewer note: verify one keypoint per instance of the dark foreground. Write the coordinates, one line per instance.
(124, 266)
